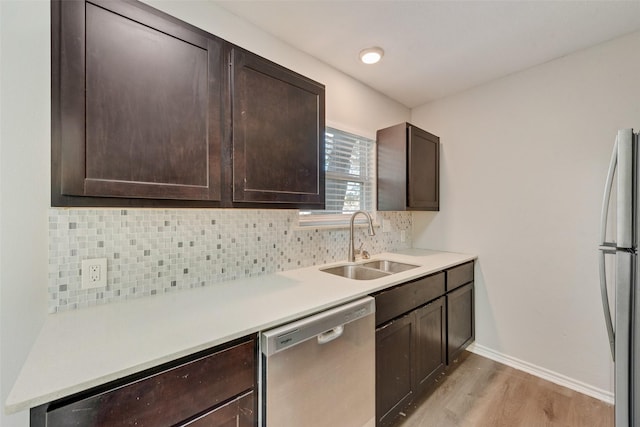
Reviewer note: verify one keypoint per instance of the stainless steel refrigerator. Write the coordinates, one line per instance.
(619, 231)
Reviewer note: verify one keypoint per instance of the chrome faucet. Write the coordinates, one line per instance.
(352, 251)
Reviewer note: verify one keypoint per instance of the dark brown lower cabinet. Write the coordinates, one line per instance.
(422, 328)
(213, 388)
(430, 342)
(460, 321)
(394, 368)
(410, 354)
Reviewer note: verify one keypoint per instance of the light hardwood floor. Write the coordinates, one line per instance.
(484, 393)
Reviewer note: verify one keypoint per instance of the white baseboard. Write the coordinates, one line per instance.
(554, 377)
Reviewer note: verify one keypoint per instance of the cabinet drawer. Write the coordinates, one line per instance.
(393, 302)
(168, 397)
(240, 412)
(458, 276)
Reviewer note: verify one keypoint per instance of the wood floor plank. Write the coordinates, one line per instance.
(484, 393)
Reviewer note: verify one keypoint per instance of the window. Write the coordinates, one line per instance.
(350, 178)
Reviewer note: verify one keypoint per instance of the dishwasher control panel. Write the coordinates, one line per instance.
(324, 323)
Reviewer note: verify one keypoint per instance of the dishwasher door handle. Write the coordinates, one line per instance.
(330, 335)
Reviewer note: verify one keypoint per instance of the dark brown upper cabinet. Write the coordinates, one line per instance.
(137, 104)
(408, 169)
(278, 133)
(148, 110)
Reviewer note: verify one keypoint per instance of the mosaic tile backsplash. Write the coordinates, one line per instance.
(153, 251)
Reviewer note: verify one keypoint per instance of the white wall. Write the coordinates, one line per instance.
(523, 163)
(24, 183)
(25, 147)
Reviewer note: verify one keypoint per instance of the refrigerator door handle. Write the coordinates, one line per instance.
(625, 198)
(624, 365)
(607, 196)
(605, 301)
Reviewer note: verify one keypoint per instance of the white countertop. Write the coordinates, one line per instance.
(80, 349)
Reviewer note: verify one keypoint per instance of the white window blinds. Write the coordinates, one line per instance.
(350, 177)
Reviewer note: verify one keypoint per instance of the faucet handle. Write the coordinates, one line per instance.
(365, 254)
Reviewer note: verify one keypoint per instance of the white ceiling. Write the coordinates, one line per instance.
(437, 48)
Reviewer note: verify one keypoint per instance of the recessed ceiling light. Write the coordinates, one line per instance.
(371, 55)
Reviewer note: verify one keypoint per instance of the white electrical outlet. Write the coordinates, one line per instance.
(94, 273)
(403, 236)
(386, 225)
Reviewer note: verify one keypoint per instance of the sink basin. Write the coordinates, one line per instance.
(356, 272)
(369, 270)
(389, 266)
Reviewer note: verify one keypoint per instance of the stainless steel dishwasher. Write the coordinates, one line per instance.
(320, 371)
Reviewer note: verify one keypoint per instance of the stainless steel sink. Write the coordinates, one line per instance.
(356, 272)
(370, 270)
(389, 266)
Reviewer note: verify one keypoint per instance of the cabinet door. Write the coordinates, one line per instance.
(408, 169)
(423, 173)
(460, 321)
(430, 342)
(136, 109)
(394, 368)
(278, 134)
(240, 412)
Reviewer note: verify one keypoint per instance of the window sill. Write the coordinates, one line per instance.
(345, 226)
(333, 222)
